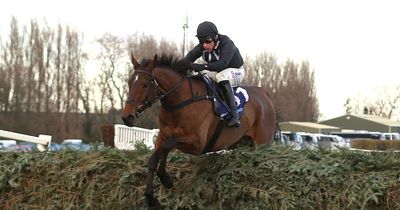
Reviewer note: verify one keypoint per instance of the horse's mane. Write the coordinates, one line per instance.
(170, 61)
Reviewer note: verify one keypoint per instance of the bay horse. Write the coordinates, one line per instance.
(186, 118)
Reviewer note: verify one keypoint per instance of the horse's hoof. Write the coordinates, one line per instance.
(166, 182)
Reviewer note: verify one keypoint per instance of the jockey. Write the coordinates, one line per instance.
(224, 63)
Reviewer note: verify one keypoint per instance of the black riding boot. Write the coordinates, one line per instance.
(230, 100)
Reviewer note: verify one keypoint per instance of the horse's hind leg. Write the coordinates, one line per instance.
(263, 132)
(161, 171)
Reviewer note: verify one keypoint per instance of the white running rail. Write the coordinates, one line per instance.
(126, 137)
(43, 141)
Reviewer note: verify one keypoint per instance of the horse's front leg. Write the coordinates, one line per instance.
(152, 166)
(165, 179)
(160, 152)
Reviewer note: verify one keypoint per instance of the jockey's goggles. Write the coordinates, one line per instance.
(206, 41)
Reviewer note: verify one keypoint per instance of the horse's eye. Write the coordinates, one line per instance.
(146, 85)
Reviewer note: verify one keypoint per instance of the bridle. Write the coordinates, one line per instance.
(159, 93)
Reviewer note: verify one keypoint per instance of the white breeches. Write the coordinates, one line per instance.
(234, 75)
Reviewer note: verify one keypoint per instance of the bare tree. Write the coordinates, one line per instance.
(113, 60)
(66, 78)
(263, 71)
(291, 86)
(41, 76)
(48, 39)
(85, 93)
(38, 80)
(168, 47)
(5, 80)
(101, 83)
(72, 80)
(14, 61)
(394, 101)
(31, 59)
(59, 63)
(384, 103)
(142, 46)
(41, 79)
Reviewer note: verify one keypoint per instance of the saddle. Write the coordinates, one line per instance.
(220, 107)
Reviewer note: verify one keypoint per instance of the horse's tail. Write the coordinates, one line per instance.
(278, 130)
(278, 133)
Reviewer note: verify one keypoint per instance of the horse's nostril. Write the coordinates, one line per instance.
(128, 120)
(124, 120)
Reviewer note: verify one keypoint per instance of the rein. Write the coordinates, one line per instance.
(161, 94)
(191, 100)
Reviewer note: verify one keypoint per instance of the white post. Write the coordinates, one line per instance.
(42, 140)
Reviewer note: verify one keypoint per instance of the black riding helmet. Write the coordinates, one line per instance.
(206, 30)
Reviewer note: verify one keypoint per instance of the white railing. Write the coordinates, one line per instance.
(126, 137)
(43, 141)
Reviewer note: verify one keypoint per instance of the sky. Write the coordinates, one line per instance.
(353, 46)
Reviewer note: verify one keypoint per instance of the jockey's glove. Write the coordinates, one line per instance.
(198, 67)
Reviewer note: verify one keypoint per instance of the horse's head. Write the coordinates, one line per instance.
(140, 83)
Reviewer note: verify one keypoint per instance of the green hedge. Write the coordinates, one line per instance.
(274, 177)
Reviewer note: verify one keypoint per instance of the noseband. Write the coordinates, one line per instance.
(160, 93)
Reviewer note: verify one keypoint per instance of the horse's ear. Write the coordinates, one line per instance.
(153, 62)
(134, 61)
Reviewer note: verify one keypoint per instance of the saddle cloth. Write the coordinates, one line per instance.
(220, 107)
(241, 97)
